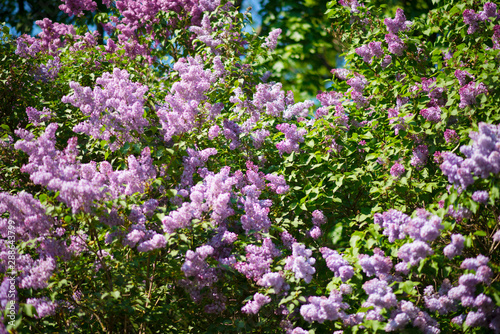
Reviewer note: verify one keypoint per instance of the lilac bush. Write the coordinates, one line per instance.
(162, 172)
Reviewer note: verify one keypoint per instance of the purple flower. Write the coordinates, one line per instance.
(386, 61)
(277, 183)
(213, 132)
(44, 306)
(393, 222)
(254, 306)
(321, 308)
(39, 274)
(496, 236)
(424, 227)
(272, 39)
(414, 252)
(337, 264)
(258, 137)
(274, 281)
(116, 104)
(258, 260)
(451, 136)
(287, 239)
(481, 196)
(318, 218)
(395, 44)
(420, 155)
(184, 102)
(471, 19)
(380, 294)
(292, 138)
(157, 241)
(455, 247)
(315, 232)
(301, 262)
(370, 50)
(397, 170)
(377, 264)
(462, 77)
(398, 23)
(469, 92)
(432, 114)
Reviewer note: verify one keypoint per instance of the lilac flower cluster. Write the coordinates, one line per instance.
(455, 247)
(205, 33)
(395, 44)
(432, 114)
(254, 306)
(394, 116)
(398, 23)
(201, 274)
(49, 71)
(76, 7)
(483, 157)
(486, 313)
(299, 109)
(469, 92)
(333, 99)
(380, 296)
(36, 117)
(358, 84)
(393, 222)
(213, 194)
(183, 103)
(258, 137)
(27, 212)
(451, 136)
(472, 19)
(271, 98)
(439, 302)
(370, 50)
(292, 138)
(301, 262)
(481, 196)
(397, 170)
(318, 218)
(337, 264)
(411, 254)
(376, 265)
(51, 38)
(115, 107)
(232, 132)
(258, 260)
(256, 211)
(341, 73)
(274, 281)
(433, 92)
(424, 227)
(321, 308)
(420, 155)
(80, 184)
(496, 37)
(38, 274)
(287, 239)
(27, 46)
(352, 4)
(462, 77)
(407, 312)
(277, 183)
(193, 160)
(272, 39)
(43, 306)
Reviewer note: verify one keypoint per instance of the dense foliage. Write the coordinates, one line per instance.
(162, 182)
